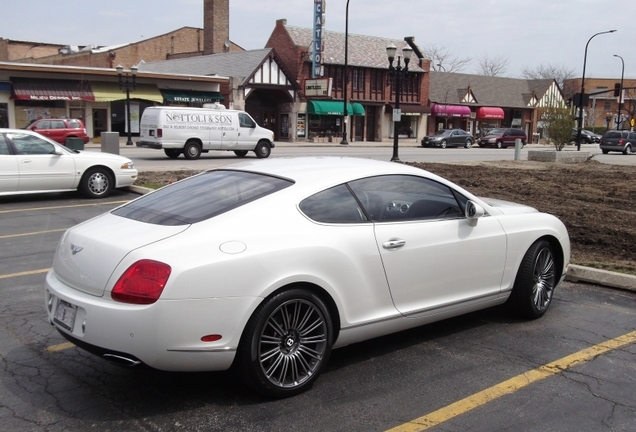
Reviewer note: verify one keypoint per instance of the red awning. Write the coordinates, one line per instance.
(490, 113)
(51, 90)
(450, 110)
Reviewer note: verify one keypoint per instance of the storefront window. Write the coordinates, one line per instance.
(325, 125)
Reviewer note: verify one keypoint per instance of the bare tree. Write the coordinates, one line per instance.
(493, 66)
(548, 71)
(442, 60)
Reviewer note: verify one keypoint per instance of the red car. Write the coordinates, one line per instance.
(60, 129)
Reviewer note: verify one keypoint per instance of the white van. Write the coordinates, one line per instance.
(193, 131)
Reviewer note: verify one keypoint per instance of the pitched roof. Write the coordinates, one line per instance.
(364, 51)
(494, 91)
(234, 64)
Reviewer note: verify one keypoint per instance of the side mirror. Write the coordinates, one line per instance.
(474, 210)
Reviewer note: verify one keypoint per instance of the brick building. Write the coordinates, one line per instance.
(214, 38)
(602, 108)
(369, 87)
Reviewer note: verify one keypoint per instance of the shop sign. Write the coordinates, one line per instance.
(318, 87)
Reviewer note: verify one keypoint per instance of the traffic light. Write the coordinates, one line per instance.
(617, 89)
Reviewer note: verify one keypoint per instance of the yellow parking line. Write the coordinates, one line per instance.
(60, 347)
(25, 273)
(32, 233)
(62, 207)
(512, 385)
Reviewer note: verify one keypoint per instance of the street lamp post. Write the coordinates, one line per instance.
(397, 73)
(344, 79)
(127, 85)
(619, 123)
(580, 118)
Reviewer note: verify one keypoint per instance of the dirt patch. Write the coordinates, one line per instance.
(595, 201)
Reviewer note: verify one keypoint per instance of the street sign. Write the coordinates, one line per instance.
(397, 115)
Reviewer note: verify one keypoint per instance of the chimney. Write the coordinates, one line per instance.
(216, 26)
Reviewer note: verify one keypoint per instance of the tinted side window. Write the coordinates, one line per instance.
(335, 205)
(404, 197)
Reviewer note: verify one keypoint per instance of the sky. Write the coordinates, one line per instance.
(526, 32)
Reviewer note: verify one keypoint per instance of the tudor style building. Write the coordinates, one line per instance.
(370, 92)
(476, 102)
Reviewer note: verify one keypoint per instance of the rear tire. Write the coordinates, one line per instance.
(192, 150)
(536, 279)
(628, 150)
(286, 344)
(172, 153)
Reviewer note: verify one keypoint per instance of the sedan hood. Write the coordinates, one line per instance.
(88, 253)
(508, 207)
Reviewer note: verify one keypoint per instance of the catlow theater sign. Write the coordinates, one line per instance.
(318, 48)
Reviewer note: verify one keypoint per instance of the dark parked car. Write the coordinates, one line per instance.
(503, 137)
(617, 140)
(449, 138)
(587, 137)
(60, 129)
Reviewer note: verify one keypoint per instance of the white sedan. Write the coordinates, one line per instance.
(32, 163)
(269, 264)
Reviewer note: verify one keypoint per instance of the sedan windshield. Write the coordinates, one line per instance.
(443, 132)
(495, 131)
(201, 197)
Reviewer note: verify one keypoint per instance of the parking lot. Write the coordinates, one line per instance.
(573, 369)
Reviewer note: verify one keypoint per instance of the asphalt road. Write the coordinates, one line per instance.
(408, 151)
(572, 370)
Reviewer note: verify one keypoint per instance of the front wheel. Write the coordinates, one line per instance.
(286, 344)
(469, 143)
(499, 144)
(192, 150)
(536, 279)
(443, 144)
(97, 183)
(262, 150)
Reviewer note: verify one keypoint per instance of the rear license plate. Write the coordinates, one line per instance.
(65, 314)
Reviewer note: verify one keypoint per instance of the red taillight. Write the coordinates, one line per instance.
(159, 133)
(142, 283)
(621, 141)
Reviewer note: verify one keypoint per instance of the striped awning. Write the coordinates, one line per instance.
(51, 90)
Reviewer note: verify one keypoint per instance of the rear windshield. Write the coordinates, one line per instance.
(613, 134)
(201, 197)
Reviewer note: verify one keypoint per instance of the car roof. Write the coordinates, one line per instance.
(322, 171)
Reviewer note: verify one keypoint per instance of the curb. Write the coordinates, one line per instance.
(606, 278)
(576, 273)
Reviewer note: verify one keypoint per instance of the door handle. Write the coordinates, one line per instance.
(394, 244)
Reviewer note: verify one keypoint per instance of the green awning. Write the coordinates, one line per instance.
(331, 107)
(191, 96)
(110, 91)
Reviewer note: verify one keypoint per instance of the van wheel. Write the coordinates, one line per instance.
(240, 153)
(172, 153)
(192, 150)
(262, 150)
(499, 144)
